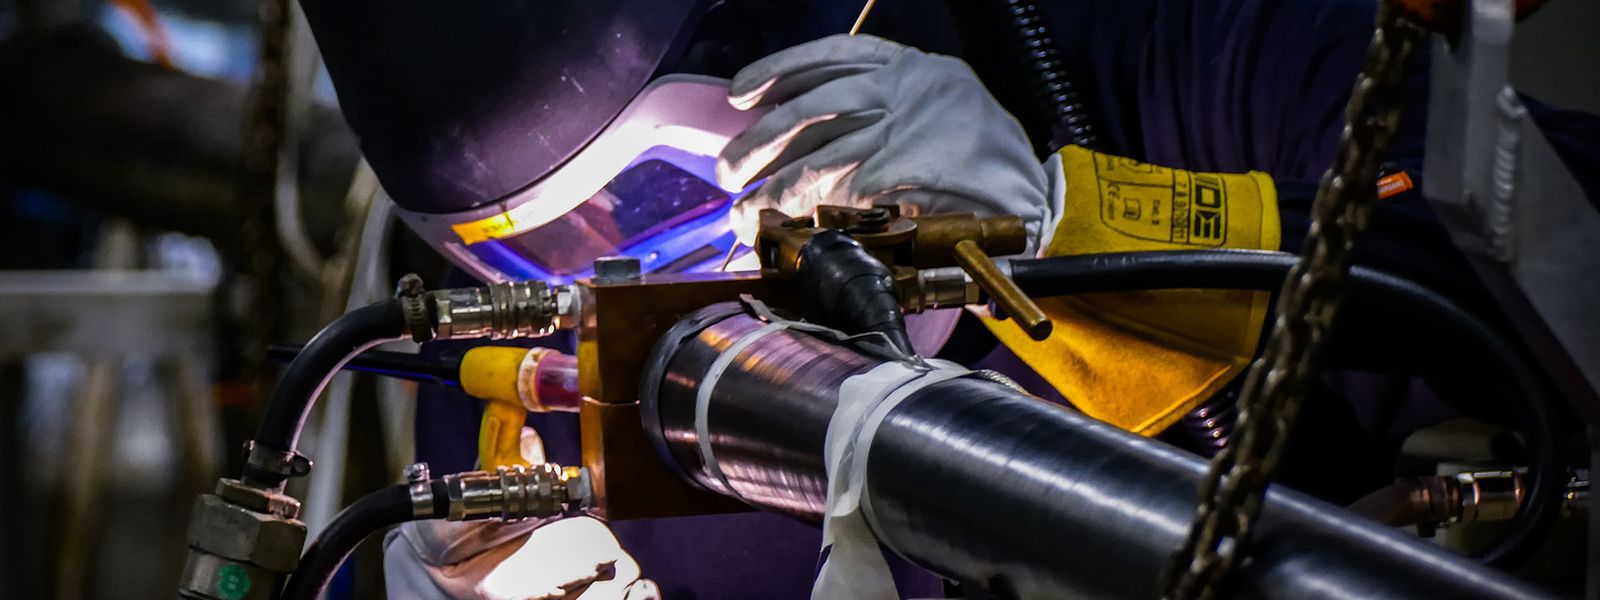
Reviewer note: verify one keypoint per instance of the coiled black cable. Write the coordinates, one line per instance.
(1065, 115)
(1532, 404)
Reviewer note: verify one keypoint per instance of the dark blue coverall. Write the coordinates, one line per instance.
(1214, 85)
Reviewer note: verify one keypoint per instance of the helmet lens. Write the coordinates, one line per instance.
(667, 217)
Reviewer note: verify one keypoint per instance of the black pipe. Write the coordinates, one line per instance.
(372, 513)
(1530, 399)
(437, 370)
(311, 370)
(989, 486)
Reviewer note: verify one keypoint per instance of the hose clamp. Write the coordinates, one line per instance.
(409, 291)
(420, 489)
(270, 465)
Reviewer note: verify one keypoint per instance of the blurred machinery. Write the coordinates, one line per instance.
(715, 392)
(720, 392)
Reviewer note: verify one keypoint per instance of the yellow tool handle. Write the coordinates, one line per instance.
(491, 373)
(500, 436)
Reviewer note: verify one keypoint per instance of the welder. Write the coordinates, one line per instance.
(525, 140)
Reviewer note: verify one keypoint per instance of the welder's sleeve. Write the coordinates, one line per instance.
(1140, 360)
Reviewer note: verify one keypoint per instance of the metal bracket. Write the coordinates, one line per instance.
(1511, 204)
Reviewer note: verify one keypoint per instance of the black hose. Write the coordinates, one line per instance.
(372, 513)
(1054, 93)
(1010, 47)
(311, 370)
(432, 369)
(1259, 270)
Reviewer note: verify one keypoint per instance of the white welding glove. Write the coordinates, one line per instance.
(863, 121)
(560, 559)
(567, 559)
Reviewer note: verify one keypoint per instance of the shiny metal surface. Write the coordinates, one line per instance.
(1004, 292)
(944, 287)
(1096, 512)
(617, 269)
(1489, 495)
(1027, 499)
(502, 310)
(513, 493)
(418, 474)
(770, 410)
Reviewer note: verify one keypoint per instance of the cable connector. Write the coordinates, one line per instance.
(503, 310)
(517, 492)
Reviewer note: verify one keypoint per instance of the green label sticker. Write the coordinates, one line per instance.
(232, 582)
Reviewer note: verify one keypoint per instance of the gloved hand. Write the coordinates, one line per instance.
(557, 559)
(863, 121)
(566, 559)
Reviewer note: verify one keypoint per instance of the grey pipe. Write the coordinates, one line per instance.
(994, 488)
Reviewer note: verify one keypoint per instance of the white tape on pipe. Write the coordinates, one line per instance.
(854, 567)
(702, 399)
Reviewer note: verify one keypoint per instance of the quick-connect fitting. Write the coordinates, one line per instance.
(516, 492)
(503, 310)
(941, 287)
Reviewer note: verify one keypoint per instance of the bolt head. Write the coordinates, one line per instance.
(609, 269)
(417, 472)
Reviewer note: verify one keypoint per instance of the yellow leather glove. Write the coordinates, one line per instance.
(1141, 360)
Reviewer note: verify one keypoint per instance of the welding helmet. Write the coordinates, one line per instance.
(523, 140)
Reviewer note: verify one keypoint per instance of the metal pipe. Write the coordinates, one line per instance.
(994, 488)
(1017, 305)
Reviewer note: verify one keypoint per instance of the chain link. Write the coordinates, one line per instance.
(1275, 387)
(267, 118)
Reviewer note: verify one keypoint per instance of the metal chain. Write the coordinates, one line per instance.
(1231, 493)
(267, 119)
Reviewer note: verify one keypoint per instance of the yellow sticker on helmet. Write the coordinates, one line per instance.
(491, 228)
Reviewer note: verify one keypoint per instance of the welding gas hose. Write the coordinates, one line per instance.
(507, 494)
(368, 515)
(497, 311)
(513, 381)
(311, 371)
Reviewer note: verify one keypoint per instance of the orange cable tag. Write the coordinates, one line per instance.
(1394, 184)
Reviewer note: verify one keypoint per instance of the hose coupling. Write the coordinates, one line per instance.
(1486, 495)
(940, 287)
(517, 492)
(503, 310)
